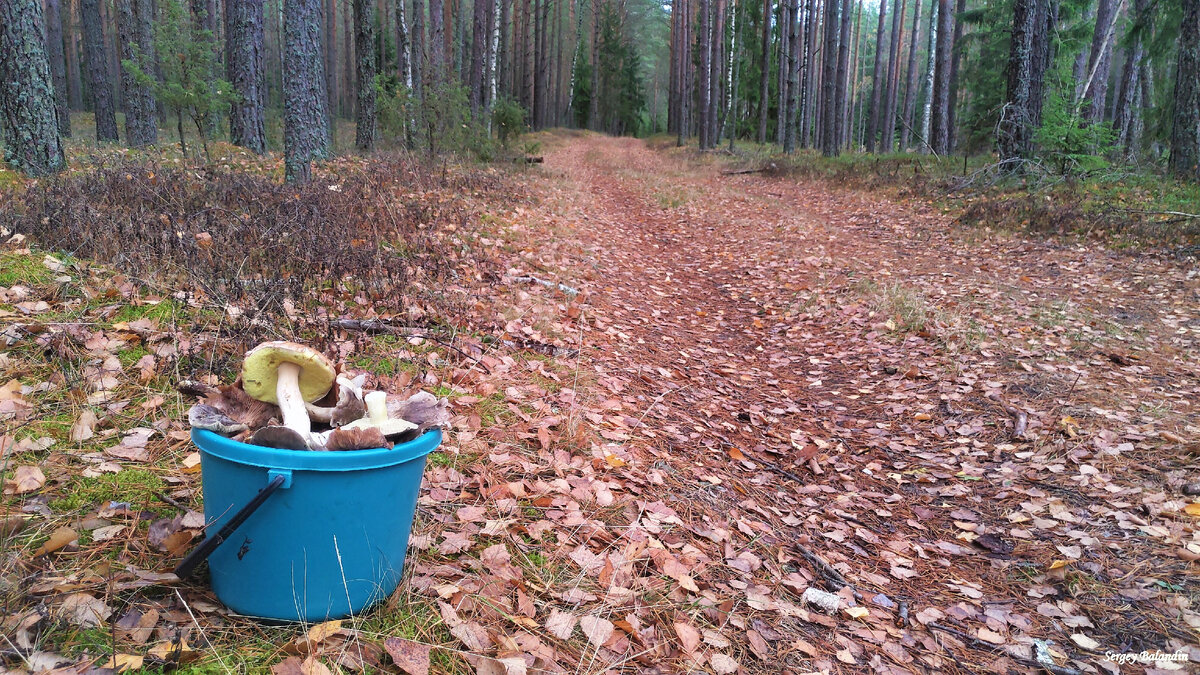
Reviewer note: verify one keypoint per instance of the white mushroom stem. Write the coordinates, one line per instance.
(376, 407)
(290, 401)
(377, 417)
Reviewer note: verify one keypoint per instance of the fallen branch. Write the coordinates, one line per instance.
(740, 172)
(548, 284)
(378, 326)
(826, 570)
(1181, 214)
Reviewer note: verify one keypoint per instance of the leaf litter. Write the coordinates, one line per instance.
(775, 430)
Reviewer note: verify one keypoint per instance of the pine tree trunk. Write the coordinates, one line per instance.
(854, 103)
(941, 81)
(71, 53)
(793, 79)
(888, 130)
(1185, 128)
(28, 115)
(716, 63)
(843, 67)
(811, 117)
(305, 102)
(1029, 56)
(686, 91)
(97, 68)
(437, 43)
(955, 58)
(1129, 97)
(364, 61)
(705, 71)
(141, 118)
(420, 58)
(876, 79)
(244, 50)
(910, 88)
(784, 67)
(478, 40)
(58, 64)
(829, 49)
(764, 82)
(1099, 62)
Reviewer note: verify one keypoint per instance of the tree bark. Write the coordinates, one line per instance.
(71, 53)
(244, 49)
(404, 71)
(1099, 62)
(843, 68)
(783, 67)
(1127, 116)
(829, 106)
(305, 105)
(58, 64)
(956, 46)
(437, 43)
(364, 62)
(478, 40)
(910, 88)
(930, 62)
(1029, 56)
(420, 58)
(97, 68)
(137, 46)
(876, 79)
(30, 128)
(764, 81)
(888, 134)
(1185, 128)
(941, 81)
(793, 79)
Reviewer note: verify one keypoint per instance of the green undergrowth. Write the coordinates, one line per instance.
(1134, 209)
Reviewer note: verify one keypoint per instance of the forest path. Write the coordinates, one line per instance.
(799, 369)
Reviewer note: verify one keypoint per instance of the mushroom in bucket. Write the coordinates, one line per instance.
(279, 405)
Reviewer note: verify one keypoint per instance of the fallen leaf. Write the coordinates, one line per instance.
(84, 609)
(84, 426)
(723, 664)
(597, 630)
(561, 624)
(1085, 642)
(58, 539)
(411, 657)
(689, 637)
(25, 479)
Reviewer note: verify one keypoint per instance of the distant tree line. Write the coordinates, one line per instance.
(424, 69)
(1055, 81)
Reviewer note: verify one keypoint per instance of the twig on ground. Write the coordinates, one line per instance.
(826, 570)
(377, 326)
(739, 172)
(168, 500)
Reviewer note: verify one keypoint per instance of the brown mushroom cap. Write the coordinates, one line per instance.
(261, 365)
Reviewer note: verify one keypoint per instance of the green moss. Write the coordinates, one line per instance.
(23, 268)
(162, 312)
(136, 486)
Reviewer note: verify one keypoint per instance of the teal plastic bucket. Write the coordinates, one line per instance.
(329, 542)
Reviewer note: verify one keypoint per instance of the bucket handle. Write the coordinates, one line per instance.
(279, 479)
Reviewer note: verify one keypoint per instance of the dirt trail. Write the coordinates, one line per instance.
(796, 369)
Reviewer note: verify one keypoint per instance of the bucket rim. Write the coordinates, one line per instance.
(307, 460)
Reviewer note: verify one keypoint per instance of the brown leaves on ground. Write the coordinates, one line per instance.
(765, 398)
